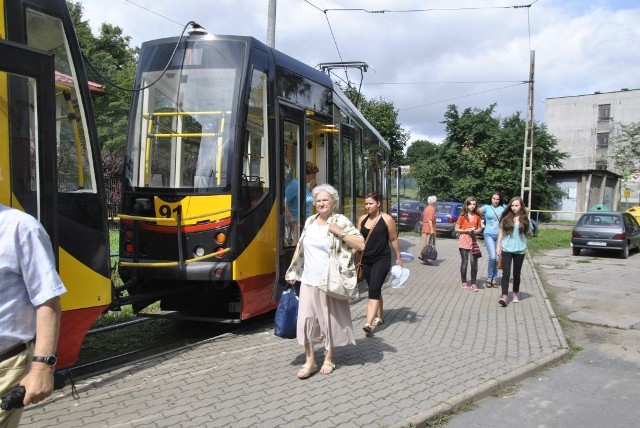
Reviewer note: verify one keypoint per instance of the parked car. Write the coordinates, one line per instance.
(446, 216)
(410, 214)
(611, 230)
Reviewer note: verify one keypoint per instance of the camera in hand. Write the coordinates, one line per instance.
(13, 399)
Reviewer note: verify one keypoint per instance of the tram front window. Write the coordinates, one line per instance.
(183, 136)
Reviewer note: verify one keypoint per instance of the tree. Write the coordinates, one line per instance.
(108, 58)
(626, 149)
(384, 117)
(482, 153)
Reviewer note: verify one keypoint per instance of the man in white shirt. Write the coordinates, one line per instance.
(30, 290)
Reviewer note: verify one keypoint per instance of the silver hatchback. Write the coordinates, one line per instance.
(610, 231)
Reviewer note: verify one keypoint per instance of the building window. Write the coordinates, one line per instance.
(601, 165)
(604, 111)
(602, 140)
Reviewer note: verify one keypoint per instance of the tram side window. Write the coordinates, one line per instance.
(255, 146)
(75, 166)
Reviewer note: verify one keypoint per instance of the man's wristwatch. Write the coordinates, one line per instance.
(50, 360)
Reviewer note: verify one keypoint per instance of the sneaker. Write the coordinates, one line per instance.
(503, 300)
(474, 287)
(516, 298)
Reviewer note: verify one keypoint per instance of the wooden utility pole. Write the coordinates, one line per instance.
(527, 158)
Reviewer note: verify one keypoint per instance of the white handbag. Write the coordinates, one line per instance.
(342, 281)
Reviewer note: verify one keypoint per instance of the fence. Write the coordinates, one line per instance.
(112, 183)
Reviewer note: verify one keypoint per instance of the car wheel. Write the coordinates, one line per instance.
(625, 252)
(454, 234)
(576, 251)
(418, 227)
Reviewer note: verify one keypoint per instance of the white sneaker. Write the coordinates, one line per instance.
(516, 298)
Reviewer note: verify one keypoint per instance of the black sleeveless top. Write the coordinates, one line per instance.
(378, 244)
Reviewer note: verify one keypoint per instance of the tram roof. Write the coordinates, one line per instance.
(295, 66)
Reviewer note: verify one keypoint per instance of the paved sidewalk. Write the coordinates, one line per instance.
(440, 346)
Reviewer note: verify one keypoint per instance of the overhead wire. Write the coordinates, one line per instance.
(382, 11)
(462, 96)
(154, 12)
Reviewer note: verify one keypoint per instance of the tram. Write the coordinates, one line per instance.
(220, 126)
(49, 156)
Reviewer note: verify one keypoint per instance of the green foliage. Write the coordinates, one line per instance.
(626, 149)
(481, 154)
(115, 60)
(384, 117)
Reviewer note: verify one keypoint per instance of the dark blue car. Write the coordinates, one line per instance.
(446, 217)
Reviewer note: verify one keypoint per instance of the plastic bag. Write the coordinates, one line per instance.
(286, 319)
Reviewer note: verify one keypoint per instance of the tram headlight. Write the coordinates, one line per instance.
(128, 235)
(221, 237)
(128, 248)
(198, 251)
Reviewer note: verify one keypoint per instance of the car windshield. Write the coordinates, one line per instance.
(407, 205)
(600, 220)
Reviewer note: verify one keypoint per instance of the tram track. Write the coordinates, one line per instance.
(129, 342)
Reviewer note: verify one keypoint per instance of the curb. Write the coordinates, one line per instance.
(486, 389)
(491, 386)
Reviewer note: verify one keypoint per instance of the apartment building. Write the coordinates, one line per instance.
(584, 125)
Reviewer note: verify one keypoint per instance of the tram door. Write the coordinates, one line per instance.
(27, 127)
(291, 206)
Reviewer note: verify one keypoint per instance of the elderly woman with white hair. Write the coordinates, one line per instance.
(428, 225)
(322, 318)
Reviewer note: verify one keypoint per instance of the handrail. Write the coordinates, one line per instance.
(172, 264)
(72, 117)
(142, 218)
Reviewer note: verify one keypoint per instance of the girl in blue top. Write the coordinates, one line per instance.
(491, 214)
(515, 227)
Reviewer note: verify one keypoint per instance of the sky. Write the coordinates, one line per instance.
(424, 55)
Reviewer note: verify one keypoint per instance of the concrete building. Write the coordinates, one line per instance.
(583, 125)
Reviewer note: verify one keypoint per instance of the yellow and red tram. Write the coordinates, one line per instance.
(221, 126)
(49, 156)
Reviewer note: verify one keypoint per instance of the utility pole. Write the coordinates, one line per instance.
(271, 25)
(527, 158)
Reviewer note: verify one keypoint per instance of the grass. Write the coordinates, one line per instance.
(126, 312)
(549, 239)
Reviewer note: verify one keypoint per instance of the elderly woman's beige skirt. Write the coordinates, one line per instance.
(323, 319)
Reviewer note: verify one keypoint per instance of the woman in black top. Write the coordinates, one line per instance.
(376, 258)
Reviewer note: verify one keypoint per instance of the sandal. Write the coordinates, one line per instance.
(307, 370)
(327, 367)
(377, 321)
(464, 285)
(368, 328)
(474, 287)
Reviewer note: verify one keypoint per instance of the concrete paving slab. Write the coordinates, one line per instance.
(440, 346)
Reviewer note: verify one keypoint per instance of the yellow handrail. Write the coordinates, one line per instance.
(171, 264)
(73, 120)
(141, 218)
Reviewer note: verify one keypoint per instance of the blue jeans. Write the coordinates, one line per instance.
(490, 241)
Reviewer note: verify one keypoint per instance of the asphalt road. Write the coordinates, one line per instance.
(600, 387)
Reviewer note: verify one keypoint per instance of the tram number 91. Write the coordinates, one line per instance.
(168, 212)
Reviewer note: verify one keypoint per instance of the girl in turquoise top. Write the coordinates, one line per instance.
(515, 227)
(491, 215)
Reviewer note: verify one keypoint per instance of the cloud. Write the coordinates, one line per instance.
(424, 61)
